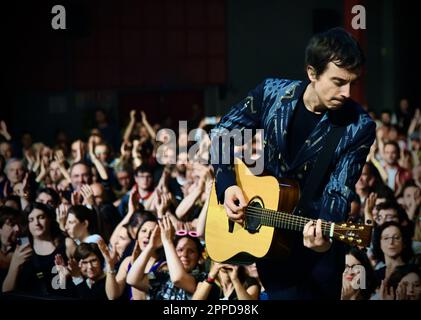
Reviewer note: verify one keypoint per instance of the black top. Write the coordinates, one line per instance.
(96, 292)
(301, 125)
(39, 276)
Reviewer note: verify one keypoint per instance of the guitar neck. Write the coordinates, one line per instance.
(277, 219)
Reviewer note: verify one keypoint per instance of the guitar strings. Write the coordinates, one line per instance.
(287, 219)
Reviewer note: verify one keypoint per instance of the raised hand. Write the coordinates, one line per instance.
(111, 257)
(62, 269)
(61, 213)
(75, 198)
(87, 194)
(386, 292)
(21, 255)
(3, 131)
(133, 115)
(155, 240)
(74, 268)
(167, 230)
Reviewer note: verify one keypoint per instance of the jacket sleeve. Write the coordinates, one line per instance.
(246, 114)
(340, 189)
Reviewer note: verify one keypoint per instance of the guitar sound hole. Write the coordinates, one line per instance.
(253, 215)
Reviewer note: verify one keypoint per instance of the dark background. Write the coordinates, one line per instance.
(164, 56)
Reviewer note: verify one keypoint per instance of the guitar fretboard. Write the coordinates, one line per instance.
(277, 219)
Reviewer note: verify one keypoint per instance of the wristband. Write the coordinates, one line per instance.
(210, 280)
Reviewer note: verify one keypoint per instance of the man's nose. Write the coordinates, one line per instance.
(346, 91)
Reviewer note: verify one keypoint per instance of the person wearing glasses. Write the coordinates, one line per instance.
(143, 189)
(391, 248)
(91, 263)
(359, 279)
(177, 279)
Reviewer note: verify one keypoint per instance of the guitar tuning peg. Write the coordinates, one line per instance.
(352, 226)
(361, 227)
(343, 225)
(359, 241)
(341, 237)
(350, 239)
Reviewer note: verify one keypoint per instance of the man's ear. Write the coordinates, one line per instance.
(311, 73)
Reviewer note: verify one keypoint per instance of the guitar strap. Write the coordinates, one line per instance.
(319, 170)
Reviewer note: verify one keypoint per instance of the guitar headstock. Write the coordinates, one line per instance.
(354, 234)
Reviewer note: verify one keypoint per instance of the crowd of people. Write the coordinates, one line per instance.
(97, 218)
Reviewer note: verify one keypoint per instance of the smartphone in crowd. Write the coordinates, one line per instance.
(23, 241)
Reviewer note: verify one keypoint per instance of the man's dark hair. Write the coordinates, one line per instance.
(82, 163)
(10, 214)
(335, 45)
(143, 168)
(395, 144)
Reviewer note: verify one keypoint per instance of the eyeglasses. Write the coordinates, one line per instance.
(354, 267)
(182, 232)
(93, 262)
(395, 238)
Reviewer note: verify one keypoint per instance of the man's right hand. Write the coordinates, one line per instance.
(234, 203)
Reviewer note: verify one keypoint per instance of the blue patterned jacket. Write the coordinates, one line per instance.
(270, 107)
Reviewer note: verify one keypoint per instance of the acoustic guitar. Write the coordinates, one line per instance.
(267, 215)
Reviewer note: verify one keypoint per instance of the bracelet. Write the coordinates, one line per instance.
(111, 271)
(210, 280)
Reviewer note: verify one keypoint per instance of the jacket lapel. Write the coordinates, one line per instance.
(286, 106)
(313, 143)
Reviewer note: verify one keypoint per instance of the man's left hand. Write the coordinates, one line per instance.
(313, 237)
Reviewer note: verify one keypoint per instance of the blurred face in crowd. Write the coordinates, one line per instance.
(333, 86)
(410, 195)
(102, 152)
(76, 229)
(145, 232)
(26, 140)
(45, 198)
(412, 283)
(100, 116)
(181, 165)
(80, 175)
(144, 180)
(90, 267)
(15, 172)
(404, 105)
(39, 226)
(391, 154)
(352, 268)
(55, 173)
(9, 233)
(385, 118)
(386, 215)
(366, 180)
(46, 153)
(99, 193)
(391, 242)
(122, 241)
(6, 150)
(123, 178)
(416, 173)
(187, 252)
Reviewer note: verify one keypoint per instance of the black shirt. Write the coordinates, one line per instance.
(302, 124)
